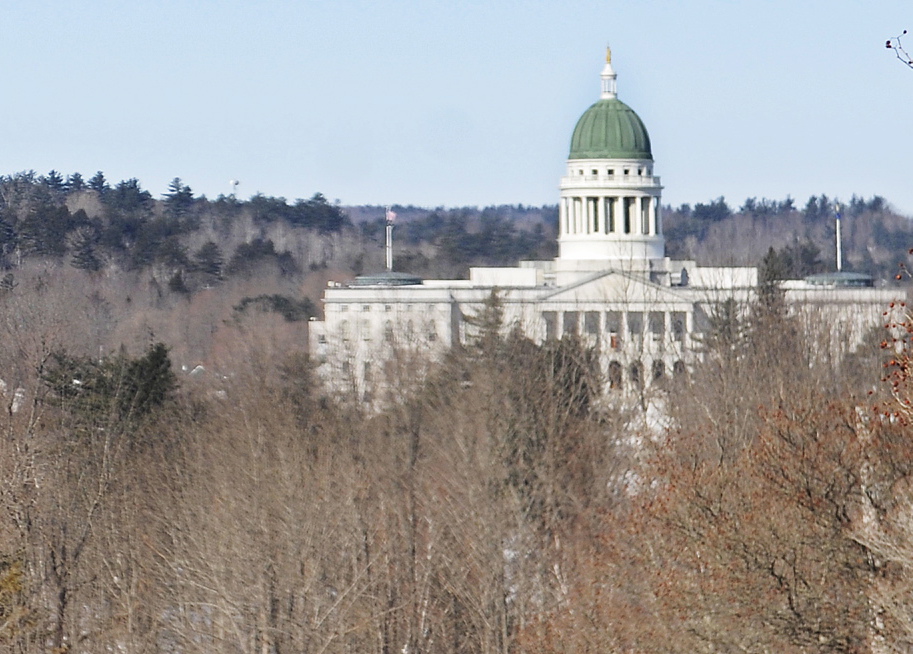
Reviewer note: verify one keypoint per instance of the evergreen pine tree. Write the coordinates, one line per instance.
(209, 260)
(85, 251)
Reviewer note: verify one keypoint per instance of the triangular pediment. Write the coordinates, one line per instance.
(618, 288)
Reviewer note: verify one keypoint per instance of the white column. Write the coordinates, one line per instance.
(600, 215)
(652, 216)
(587, 215)
(580, 208)
(562, 217)
(646, 223)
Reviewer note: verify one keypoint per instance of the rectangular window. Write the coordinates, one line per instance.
(628, 209)
(678, 325)
(550, 318)
(657, 325)
(571, 322)
(613, 322)
(616, 375)
(365, 307)
(635, 323)
(591, 323)
(613, 329)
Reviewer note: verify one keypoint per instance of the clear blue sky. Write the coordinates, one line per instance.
(457, 103)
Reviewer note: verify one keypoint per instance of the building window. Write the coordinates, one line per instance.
(659, 370)
(611, 172)
(616, 379)
(678, 368)
(550, 318)
(613, 322)
(343, 307)
(657, 325)
(344, 330)
(388, 307)
(678, 325)
(613, 328)
(365, 330)
(571, 323)
(365, 307)
(635, 323)
(388, 331)
(591, 323)
(636, 327)
(431, 331)
(637, 374)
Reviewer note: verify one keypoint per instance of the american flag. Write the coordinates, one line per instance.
(391, 216)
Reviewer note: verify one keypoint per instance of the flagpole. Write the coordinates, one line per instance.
(839, 239)
(388, 215)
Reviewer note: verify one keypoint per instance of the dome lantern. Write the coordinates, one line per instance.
(609, 91)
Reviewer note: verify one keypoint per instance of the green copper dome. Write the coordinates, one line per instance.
(610, 130)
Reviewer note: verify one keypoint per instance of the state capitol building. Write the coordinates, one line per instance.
(612, 284)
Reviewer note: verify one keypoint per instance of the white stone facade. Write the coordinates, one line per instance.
(611, 284)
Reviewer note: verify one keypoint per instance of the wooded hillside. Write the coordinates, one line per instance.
(480, 510)
(175, 479)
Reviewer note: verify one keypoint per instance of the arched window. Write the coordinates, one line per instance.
(616, 381)
(659, 370)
